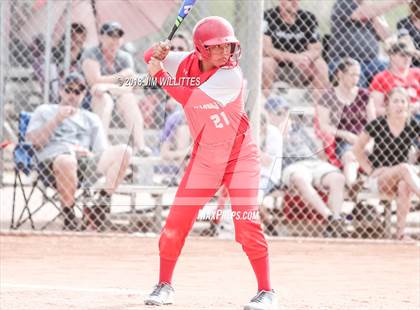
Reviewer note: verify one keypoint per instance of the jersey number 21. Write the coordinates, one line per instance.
(220, 120)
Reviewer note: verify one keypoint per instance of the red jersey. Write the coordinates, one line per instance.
(385, 81)
(214, 106)
(223, 145)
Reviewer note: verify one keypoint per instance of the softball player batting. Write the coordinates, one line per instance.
(210, 88)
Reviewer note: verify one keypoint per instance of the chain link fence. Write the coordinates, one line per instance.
(338, 144)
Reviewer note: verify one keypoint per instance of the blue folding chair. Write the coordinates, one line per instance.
(24, 157)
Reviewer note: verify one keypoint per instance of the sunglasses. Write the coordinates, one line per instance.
(114, 35)
(76, 91)
(404, 54)
(177, 48)
(281, 112)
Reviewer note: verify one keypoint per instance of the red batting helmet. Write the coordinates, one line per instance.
(214, 30)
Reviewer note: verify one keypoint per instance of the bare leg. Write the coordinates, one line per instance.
(388, 180)
(351, 167)
(127, 106)
(334, 181)
(102, 106)
(403, 207)
(411, 178)
(113, 164)
(309, 194)
(65, 172)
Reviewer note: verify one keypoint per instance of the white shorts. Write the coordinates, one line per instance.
(313, 170)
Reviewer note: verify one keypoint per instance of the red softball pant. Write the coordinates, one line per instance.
(237, 168)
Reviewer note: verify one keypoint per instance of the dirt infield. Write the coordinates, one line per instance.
(115, 273)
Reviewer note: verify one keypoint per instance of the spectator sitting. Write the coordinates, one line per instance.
(393, 135)
(175, 144)
(343, 112)
(410, 27)
(70, 142)
(292, 49)
(271, 152)
(304, 171)
(106, 67)
(37, 49)
(357, 26)
(398, 74)
(154, 108)
(271, 145)
(78, 34)
(277, 109)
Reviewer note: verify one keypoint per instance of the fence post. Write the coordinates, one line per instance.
(4, 17)
(47, 59)
(67, 57)
(249, 16)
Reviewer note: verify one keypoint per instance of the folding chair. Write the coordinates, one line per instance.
(24, 157)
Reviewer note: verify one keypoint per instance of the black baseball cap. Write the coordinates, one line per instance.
(76, 79)
(112, 29)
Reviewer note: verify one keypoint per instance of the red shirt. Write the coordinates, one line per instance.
(385, 81)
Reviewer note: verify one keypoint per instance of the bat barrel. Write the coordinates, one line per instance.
(183, 12)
